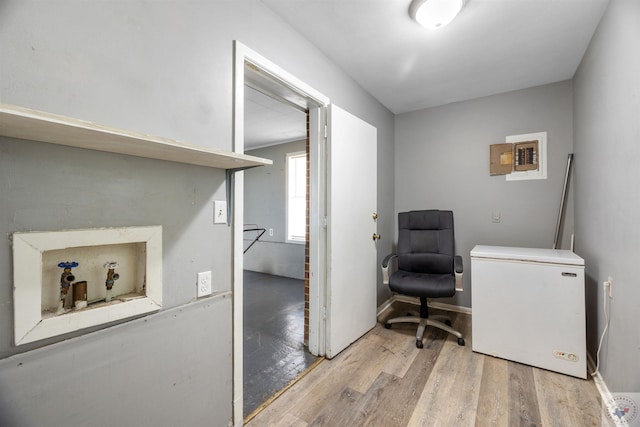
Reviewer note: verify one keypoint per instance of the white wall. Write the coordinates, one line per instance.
(163, 68)
(607, 154)
(442, 162)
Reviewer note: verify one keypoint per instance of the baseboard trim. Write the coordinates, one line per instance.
(601, 385)
(416, 301)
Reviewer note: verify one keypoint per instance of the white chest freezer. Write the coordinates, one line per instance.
(529, 306)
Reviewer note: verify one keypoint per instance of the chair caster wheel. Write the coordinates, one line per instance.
(419, 344)
(387, 325)
(447, 322)
(461, 341)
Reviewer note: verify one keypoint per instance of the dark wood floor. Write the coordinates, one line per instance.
(384, 380)
(274, 352)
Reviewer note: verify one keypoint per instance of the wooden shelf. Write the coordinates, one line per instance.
(24, 123)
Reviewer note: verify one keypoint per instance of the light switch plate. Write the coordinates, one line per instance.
(219, 212)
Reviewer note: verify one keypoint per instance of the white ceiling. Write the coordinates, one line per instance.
(493, 46)
(269, 122)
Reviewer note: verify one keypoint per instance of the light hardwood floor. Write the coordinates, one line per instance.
(384, 380)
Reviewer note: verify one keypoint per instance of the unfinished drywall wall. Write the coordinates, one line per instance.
(607, 152)
(95, 380)
(442, 162)
(265, 206)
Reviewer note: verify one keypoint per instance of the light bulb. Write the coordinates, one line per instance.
(434, 14)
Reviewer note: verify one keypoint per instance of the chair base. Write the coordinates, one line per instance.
(436, 321)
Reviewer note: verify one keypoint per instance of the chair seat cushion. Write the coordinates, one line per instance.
(423, 284)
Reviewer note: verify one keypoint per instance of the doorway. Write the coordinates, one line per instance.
(275, 245)
(333, 221)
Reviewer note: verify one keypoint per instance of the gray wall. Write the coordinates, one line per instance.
(124, 383)
(442, 162)
(607, 147)
(265, 205)
(163, 68)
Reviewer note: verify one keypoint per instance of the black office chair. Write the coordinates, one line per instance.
(427, 266)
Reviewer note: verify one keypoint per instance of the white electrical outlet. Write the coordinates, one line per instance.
(204, 284)
(219, 212)
(271, 232)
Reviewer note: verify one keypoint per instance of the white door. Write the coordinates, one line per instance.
(351, 248)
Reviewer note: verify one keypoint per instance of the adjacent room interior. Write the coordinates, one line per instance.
(275, 242)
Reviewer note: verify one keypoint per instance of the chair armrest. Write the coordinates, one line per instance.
(386, 273)
(457, 264)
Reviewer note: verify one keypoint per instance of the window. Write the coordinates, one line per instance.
(296, 164)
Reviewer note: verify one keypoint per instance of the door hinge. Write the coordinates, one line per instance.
(323, 222)
(326, 132)
(324, 313)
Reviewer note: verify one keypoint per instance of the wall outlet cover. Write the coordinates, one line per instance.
(204, 284)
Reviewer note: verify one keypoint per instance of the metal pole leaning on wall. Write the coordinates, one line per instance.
(564, 196)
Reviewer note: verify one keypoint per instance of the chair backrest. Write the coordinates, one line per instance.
(426, 242)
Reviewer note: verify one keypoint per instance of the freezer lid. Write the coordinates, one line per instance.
(550, 256)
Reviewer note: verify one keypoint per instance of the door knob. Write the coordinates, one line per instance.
(376, 236)
(375, 216)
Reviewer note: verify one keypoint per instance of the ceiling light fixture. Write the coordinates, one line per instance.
(434, 14)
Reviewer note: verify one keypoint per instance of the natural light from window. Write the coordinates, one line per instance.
(296, 196)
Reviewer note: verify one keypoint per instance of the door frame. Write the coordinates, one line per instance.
(245, 59)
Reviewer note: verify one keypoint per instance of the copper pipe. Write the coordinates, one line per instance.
(112, 276)
(66, 278)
